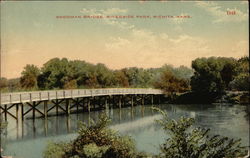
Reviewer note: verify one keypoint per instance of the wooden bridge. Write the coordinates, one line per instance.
(67, 101)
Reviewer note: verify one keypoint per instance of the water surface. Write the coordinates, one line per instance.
(29, 139)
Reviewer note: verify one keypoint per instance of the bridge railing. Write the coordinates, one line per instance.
(21, 97)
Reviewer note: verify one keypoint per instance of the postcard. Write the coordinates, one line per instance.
(124, 79)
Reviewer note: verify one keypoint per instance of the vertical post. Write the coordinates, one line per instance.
(10, 98)
(88, 104)
(45, 109)
(113, 98)
(152, 99)
(40, 96)
(17, 111)
(77, 104)
(132, 101)
(56, 107)
(142, 99)
(120, 102)
(34, 111)
(68, 106)
(94, 100)
(123, 100)
(106, 102)
(22, 112)
(30, 97)
(5, 112)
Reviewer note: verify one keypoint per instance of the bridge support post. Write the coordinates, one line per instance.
(5, 112)
(33, 110)
(22, 112)
(132, 101)
(45, 109)
(56, 107)
(88, 104)
(152, 99)
(94, 100)
(142, 99)
(77, 105)
(120, 102)
(106, 102)
(17, 111)
(68, 106)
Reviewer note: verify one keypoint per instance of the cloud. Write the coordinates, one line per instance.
(147, 49)
(109, 12)
(220, 14)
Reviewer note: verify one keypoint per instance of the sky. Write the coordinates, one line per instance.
(31, 33)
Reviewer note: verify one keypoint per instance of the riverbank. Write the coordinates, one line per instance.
(232, 97)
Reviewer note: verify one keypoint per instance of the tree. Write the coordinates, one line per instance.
(241, 81)
(94, 141)
(212, 75)
(171, 84)
(29, 76)
(120, 79)
(104, 75)
(187, 141)
(55, 74)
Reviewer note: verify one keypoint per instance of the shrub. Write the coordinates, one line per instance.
(94, 141)
(188, 142)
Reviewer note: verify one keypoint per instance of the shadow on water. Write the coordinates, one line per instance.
(29, 138)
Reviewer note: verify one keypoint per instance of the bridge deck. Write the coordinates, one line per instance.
(23, 97)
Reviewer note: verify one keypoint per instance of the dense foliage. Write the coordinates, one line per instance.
(171, 84)
(216, 74)
(209, 75)
(68, 74)
(94, 141)
(186, 141)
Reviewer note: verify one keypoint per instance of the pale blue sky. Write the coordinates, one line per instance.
(31, 34)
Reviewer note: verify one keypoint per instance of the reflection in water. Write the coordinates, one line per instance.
(138, 122)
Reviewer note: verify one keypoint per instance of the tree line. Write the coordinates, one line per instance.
(208, 75)
(69, 74)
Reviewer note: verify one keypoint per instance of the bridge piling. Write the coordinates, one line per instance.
(17, 111)
(142, 99)
(22, 112)
(5, 112)
(152, 99)
(45, 109)
(33, 110)
(68, 106)
(88, 104)
(132, 101)
(120, 102)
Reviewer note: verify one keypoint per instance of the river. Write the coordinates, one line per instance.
(29, 139)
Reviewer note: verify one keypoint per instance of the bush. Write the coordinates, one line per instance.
(95, 141)
(188, 142)
(56, 150)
